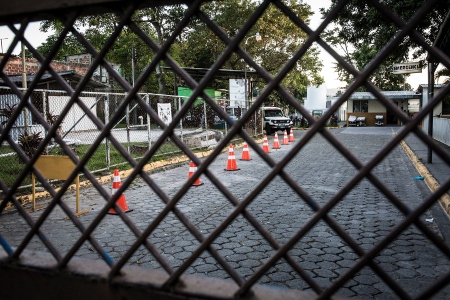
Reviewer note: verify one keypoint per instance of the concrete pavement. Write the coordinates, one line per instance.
(365, 214)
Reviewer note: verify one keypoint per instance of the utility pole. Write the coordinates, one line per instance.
(24, 86)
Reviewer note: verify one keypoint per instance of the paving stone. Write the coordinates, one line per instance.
(236, 257)
(388, 267)
(258, 255)
(345, 292)
(407, 273)
(311, 257)
(242, 249)
(365, 214)
(364, 279)
(327, 273)
(348, 255)
(330, 257)
(345, 263)
(315, 251)
(280, 276)
(205, 268)
(250, 263)
(323, 281)
(365, 290)
(297, 284)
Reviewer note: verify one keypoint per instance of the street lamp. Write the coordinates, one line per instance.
(258, 38)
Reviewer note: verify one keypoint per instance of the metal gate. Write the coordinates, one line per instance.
(114, 279)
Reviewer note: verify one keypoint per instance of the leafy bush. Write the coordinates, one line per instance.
(334, 121)
(29, 142)
(7, 112)
(304, 123)
(51, 119)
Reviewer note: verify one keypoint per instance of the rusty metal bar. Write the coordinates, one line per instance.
(273, 84)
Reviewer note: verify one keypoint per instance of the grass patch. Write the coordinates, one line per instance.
(12, 167)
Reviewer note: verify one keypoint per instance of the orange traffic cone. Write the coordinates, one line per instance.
(231, 166)
(276, 142)
(291, 136)
(245, 152)
(192, 170)
(266, 145)
(122, 201)
(285, 138)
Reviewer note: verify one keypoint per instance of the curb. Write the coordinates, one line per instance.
(158, 165)
(431, 182)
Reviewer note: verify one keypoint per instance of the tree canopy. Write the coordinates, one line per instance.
(280, 39)
(197, 46)
(361, 31)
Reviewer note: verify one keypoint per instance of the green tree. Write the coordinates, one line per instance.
(280, 40)
(158, 23)
(360, 32)
(444, 72)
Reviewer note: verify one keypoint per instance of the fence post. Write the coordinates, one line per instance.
(149, 133)
(127, 120)
(108, 150)
(181, 120)
(44, 109)
(204, 120)
(430, 115)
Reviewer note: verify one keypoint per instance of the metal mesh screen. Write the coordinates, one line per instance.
(173, 210)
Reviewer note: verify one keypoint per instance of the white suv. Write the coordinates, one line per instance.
(275, 120)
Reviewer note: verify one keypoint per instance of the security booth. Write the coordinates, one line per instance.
(366, 105)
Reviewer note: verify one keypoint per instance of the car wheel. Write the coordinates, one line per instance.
(268, 130)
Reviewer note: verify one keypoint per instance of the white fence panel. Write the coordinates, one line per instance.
(441, 130)
(75, 114)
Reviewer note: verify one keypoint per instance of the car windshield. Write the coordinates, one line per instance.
(273, 113)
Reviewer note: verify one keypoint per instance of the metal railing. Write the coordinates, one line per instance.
(135, 130)
(172, 279)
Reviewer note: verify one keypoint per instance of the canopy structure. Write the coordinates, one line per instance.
(388, 94)
(199, 73)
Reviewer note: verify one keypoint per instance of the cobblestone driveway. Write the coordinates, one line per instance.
(412, 260)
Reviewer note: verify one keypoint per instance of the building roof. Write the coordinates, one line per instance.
(47, 77)
(388, 94)
(198, 73)
(425, 86)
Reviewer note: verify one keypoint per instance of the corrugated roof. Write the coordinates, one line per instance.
(46, 77)
(389, 94)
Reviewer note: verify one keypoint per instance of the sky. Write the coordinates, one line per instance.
(328, 71)
(35, 37)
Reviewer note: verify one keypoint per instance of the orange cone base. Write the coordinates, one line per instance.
(122, 203)
(112, 211)
(232, 169)
(197, 183)
(244, 159)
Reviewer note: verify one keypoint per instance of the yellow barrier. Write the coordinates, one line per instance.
(56, 167)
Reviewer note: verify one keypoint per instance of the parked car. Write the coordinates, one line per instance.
(275, 120)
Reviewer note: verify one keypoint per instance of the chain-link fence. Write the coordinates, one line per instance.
(359, 243)
(135, 130)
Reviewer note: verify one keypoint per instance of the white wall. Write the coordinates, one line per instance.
(316, 97)
(437, 109)
(441, 130)
(376, 106)
(57, 104)
(413, 105)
